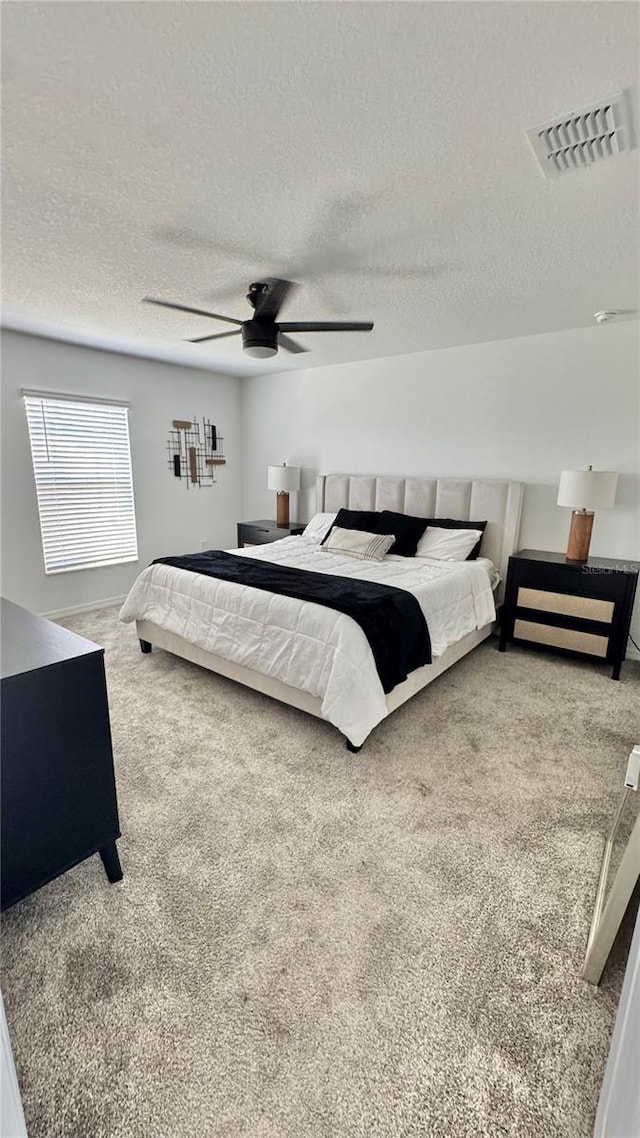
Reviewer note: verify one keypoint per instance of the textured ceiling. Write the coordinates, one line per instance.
(186, 149)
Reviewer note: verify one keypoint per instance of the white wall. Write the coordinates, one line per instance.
(170, 517)
(519, 409)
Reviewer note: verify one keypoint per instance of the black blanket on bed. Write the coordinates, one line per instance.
(390, 618)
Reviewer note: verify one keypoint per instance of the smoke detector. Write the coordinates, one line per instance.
(606, 316)
(581, 138)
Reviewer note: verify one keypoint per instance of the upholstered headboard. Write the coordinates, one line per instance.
(477, 499)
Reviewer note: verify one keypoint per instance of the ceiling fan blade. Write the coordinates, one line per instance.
(330, 296)
(329, 247)
(186, 308)
(272, 300)
(190, 239)
(289, 344)
(327, 326)
(409, 271)
(216, 336)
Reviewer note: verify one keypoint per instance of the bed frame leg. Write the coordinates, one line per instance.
(145, 646)
(350, 747)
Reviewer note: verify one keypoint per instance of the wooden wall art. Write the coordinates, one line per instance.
(195, 449)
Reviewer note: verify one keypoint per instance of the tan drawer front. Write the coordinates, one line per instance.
(561, 637)
(586, 607)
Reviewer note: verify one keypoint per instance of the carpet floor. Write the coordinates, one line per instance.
(313, 944)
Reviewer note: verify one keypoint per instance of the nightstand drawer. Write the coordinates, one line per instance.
(252, 535)
(264, 530)
(566, 604)
(569, 638)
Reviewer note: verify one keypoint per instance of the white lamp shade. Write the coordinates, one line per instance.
(283, 478)
(587, 489)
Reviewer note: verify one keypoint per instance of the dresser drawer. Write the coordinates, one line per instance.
(565, 604)
(570, 638)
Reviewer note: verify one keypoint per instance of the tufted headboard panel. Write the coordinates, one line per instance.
(499, 503)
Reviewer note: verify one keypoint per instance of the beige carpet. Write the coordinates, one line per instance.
(311, 944)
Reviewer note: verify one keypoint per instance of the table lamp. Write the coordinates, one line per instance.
(585, 491)
(282, 479)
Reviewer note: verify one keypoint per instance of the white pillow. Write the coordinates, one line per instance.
(319, 526)
(357, 543)
(447, 544)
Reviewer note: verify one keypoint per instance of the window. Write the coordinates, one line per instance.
(82, 467)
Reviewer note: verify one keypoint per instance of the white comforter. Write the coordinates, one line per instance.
(307, 646)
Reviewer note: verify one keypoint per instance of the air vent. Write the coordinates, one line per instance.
(577, 140)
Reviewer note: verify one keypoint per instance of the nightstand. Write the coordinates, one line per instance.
(582, 609)
(259, 533)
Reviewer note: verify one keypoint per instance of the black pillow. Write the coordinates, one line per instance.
(366, 520)
(451, 523)
(406, 529)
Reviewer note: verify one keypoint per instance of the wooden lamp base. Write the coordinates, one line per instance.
(580, 535)
(282, 508)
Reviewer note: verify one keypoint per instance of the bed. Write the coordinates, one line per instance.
(311, 657)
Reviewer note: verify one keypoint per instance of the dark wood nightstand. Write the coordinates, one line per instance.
(580, 609)
(261, 532)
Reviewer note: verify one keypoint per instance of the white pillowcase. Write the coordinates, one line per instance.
(319, 526)
(447, 544)
(357, 543)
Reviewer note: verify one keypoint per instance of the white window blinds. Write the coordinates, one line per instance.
(82, 467)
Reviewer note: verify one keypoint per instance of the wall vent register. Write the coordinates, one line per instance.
(581, 138)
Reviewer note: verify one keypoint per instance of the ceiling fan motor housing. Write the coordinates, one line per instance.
(260, 338)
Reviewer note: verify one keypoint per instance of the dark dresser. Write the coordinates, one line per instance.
(58, 793)
(580, 608)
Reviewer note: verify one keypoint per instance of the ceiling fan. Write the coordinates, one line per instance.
(263, 334)
(351, 229)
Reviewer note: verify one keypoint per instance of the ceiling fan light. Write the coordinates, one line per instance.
(261, 351)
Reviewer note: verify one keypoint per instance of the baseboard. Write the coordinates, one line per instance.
(106, 603)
